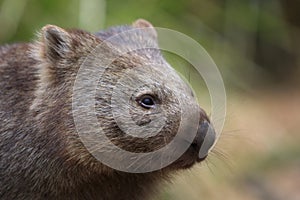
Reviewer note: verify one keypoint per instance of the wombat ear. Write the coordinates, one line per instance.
(56, 42)
(142, 23)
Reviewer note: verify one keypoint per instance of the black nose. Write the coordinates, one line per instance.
(204, 139)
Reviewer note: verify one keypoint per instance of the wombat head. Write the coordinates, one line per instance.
(131, 110)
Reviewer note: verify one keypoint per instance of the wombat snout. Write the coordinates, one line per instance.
(204, 140)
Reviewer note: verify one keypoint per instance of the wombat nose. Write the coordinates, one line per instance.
(204, 139)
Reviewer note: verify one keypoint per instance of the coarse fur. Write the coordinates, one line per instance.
(41, 154)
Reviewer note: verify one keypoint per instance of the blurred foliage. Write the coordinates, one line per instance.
(256, 46)
(255, 43)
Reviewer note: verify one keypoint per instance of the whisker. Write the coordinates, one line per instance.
(208, 162)
(224, 158)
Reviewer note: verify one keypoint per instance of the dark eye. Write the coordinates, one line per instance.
(147, 101)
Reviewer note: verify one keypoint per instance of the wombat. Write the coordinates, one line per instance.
(42, 155)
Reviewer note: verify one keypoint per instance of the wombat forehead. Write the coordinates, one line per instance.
(159, 76)
(142, 56)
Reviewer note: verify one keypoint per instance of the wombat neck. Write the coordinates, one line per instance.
(119, 186)
(124, 186)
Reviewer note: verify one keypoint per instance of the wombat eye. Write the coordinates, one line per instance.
(147, 101)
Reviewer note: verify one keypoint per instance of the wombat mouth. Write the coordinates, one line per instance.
(199, 148)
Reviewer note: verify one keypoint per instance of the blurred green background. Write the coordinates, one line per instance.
(256, 46)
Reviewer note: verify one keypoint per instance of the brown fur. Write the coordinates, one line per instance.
(41, 156)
